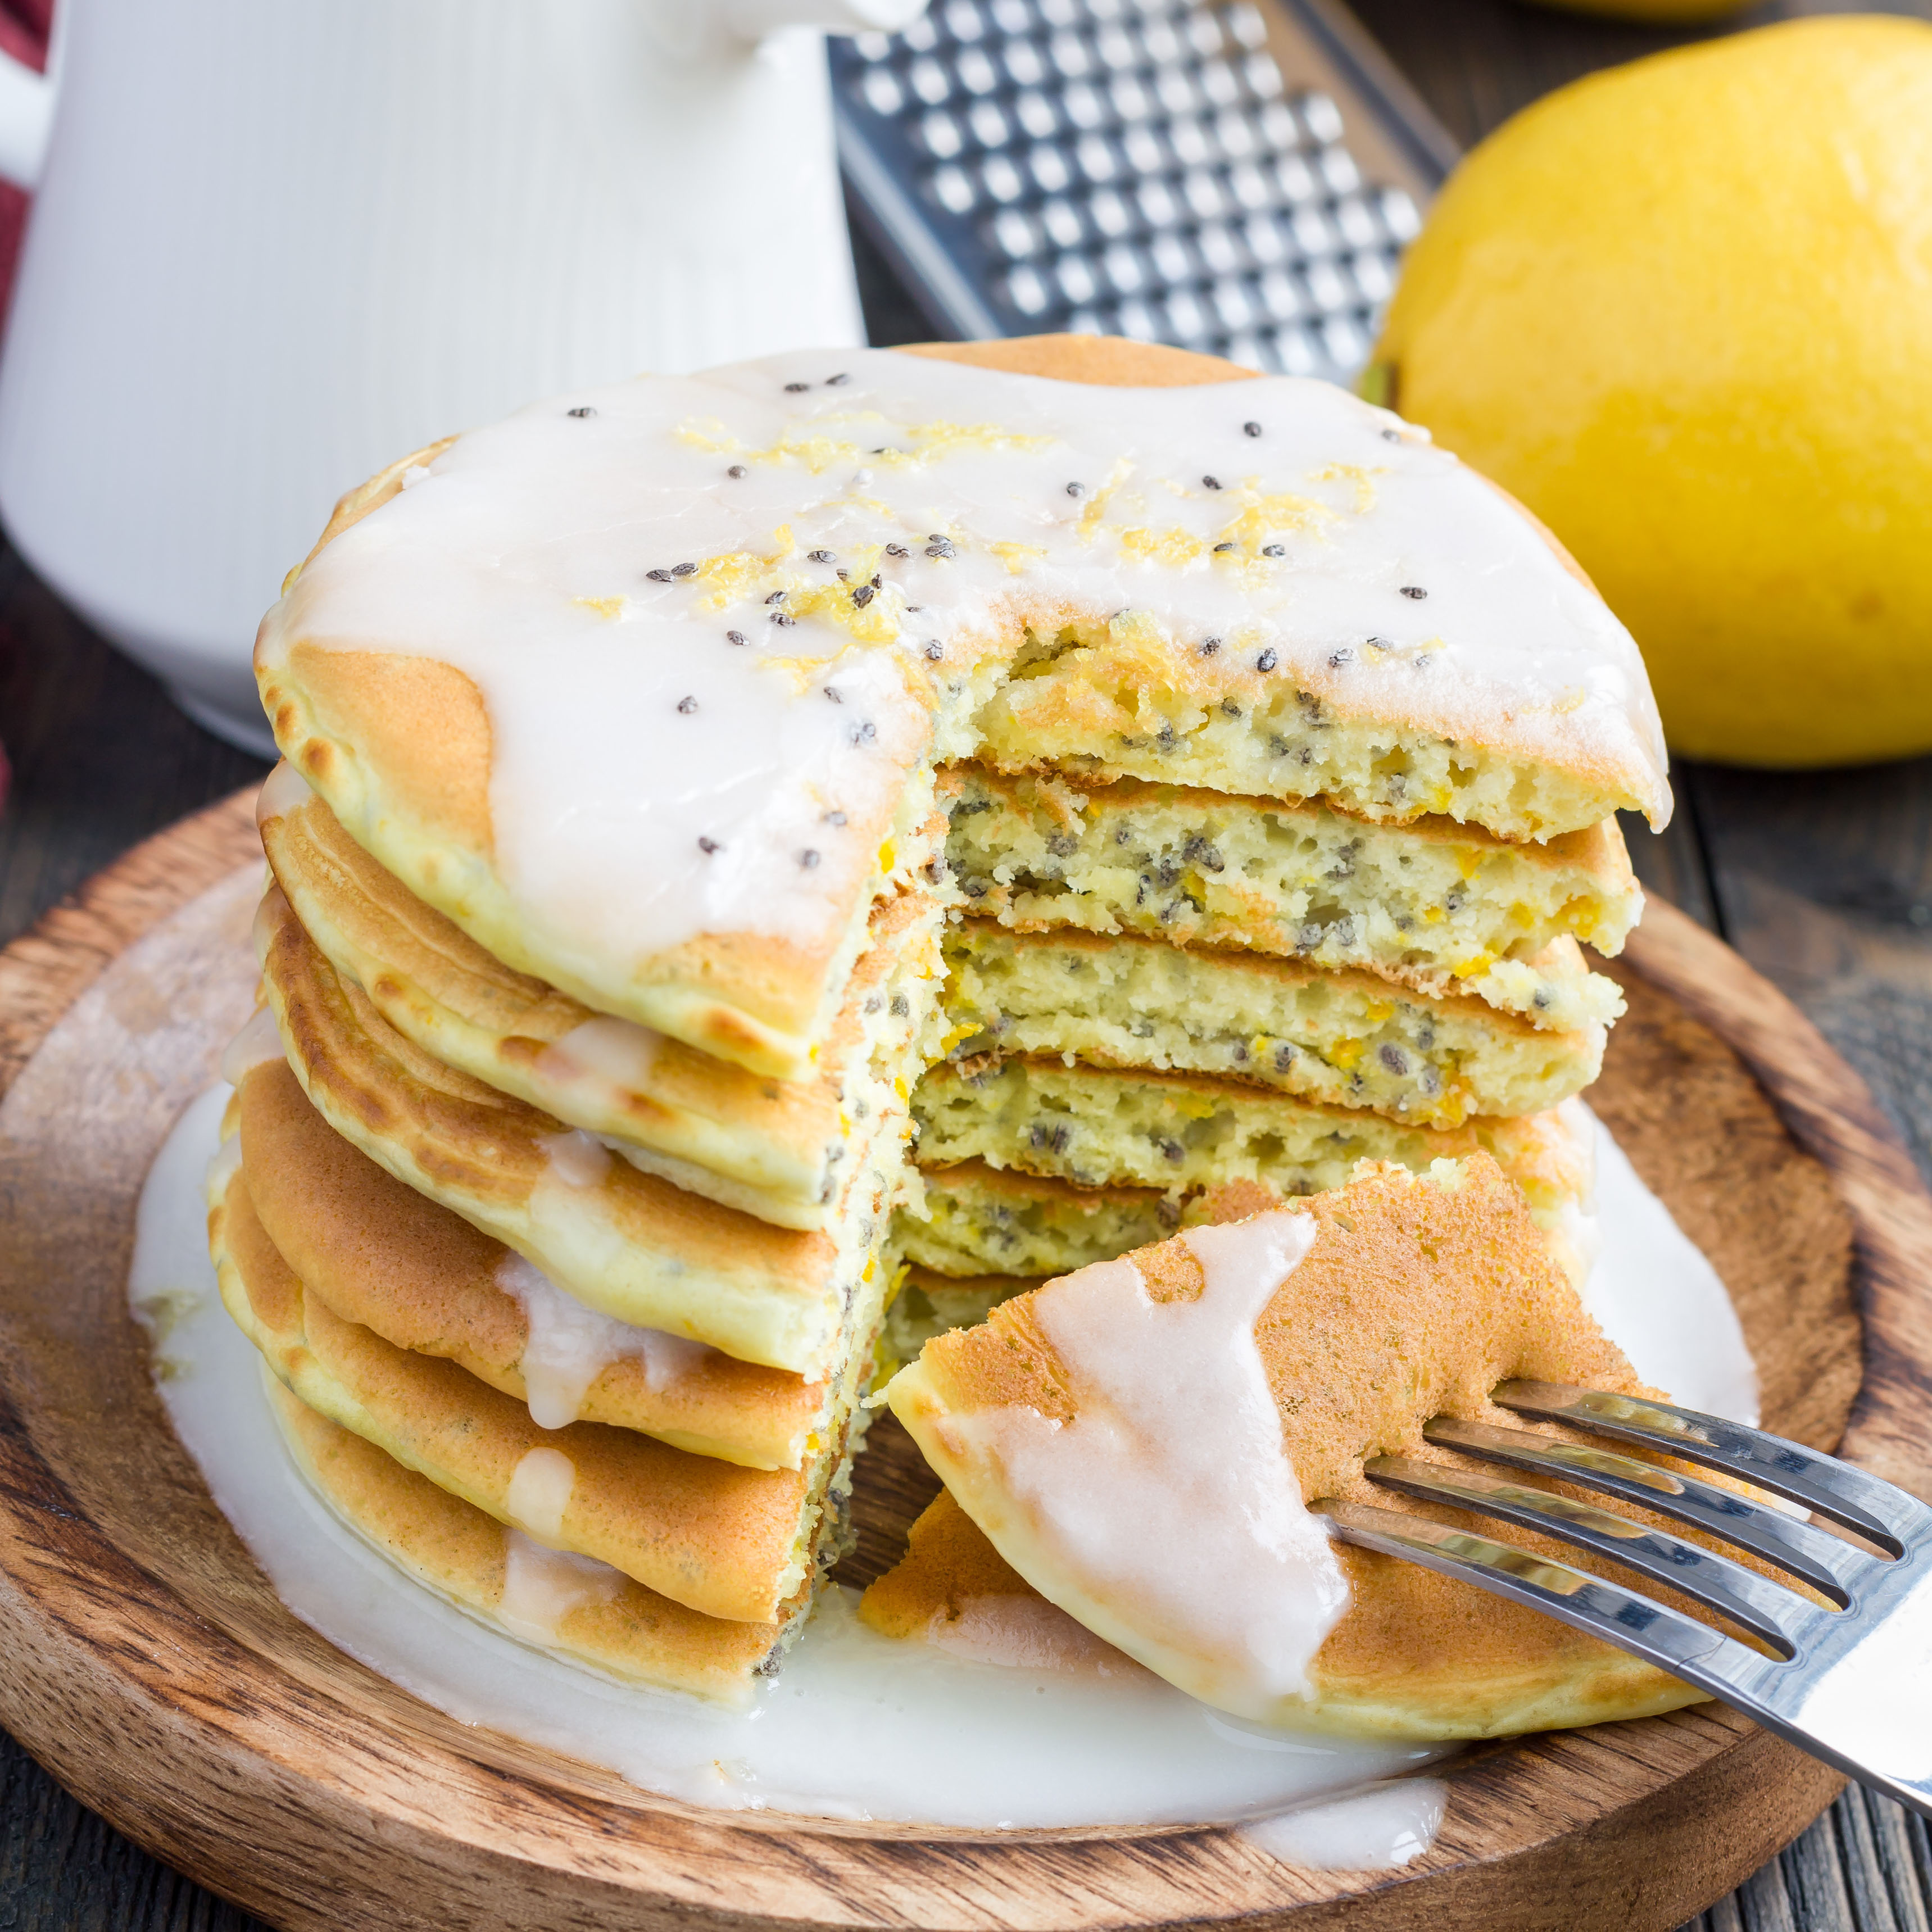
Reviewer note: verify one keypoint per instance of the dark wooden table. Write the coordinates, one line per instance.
(1822, 881)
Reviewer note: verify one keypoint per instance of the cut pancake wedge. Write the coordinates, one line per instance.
(1181, 1132)
(1408, 1297)
(735, 1544)
(1435, 906)
(1343, 1038)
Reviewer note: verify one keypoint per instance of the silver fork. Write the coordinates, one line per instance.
(1851, 1683)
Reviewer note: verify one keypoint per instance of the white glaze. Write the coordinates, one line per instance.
(856, 1725)
(577, 1159)
(284, 790)
(1167, 1502)
(256, 1045)
(1657, 1297)
(626, 728)
(569, 1345)
(539, 1493)
(602, 1056)
(1027, 1633)
(541, 1586)
(1380, 1829)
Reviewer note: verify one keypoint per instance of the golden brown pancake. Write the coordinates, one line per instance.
(732, 1543)
(616, 1625)
(377, 1253)
(770, 1147)
(620, 1240)
(1420, 1295)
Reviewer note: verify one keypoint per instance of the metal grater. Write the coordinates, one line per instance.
(1230, 179)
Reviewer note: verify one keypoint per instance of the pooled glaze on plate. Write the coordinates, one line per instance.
(848, 1729)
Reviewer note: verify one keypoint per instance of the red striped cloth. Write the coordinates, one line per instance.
(23, 33)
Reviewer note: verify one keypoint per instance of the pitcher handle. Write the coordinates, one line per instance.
(26, 112)
(752, 19)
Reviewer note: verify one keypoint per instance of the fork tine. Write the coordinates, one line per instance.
(1861, 1503)
(1653, 1631)
(1827, 1562)
(1766, 1610)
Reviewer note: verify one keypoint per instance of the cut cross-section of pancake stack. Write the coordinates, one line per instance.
(755, 845)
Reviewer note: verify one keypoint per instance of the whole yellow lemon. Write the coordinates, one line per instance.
(1683, 309)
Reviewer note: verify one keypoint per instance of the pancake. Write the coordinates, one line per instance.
(734, 1544)
(581, 1609)
(772, 1148)
(377, 1253)
(1260, 586)
(1372, 1309)
(1180, 1133)
(623, 1241)
(1436, 906)
(925, 1304)
(1346, 1039)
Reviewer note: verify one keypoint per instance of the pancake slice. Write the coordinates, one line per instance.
(627, 1243)
(1343, 1038)
(1137, 1443)
(1435, 906)
(571, 1605)
(768, 1146)
(377, 1253)
(734, 1544)
(1180, 1132)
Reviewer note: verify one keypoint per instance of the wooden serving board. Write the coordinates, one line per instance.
(146, 1661)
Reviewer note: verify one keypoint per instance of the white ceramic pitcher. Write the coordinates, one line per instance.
(276, 243)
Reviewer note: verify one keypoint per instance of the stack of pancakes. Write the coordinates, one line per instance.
(754, 846)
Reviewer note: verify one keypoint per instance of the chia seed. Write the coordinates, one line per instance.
(796, 388)
(1076, 489)
(1395, 1060)
(734, 637)
(808, 858)
(1267, 661)
(708, 846)
(687, 705)
(1209, 646)
(1274, 550)
(833, 695)
(1251, 429)
(776, 597)
(582, 409)
(736, 469)
(682, 569)
(934, 650)
(658, 576)
(863, 595)
(1414, 590)
(821, 556)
